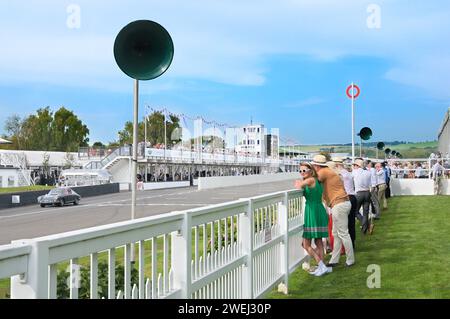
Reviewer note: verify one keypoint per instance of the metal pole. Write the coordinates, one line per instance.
(360, 147)
(145, 133)
(134, 156)
(165, 135)
(353, 124)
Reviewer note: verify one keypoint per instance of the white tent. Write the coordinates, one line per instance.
(3, 141)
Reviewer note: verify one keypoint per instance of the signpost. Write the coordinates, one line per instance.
(353, 95)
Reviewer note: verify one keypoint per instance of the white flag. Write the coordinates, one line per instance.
(167, 118)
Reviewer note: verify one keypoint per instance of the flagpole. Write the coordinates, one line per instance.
(353, 124)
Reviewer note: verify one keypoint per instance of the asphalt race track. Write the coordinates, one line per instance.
(34, 221)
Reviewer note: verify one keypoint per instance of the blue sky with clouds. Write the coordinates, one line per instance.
(282, 63)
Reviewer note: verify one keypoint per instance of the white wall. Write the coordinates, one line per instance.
(405, 186)
(5, 173)
(446, 187)
(161, 185)
(121, 171)
(227, 181)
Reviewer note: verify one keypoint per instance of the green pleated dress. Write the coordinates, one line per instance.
(316, 217)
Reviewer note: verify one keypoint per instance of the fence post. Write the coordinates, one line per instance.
(181, 257)
(284, 227)
(246, 235)
(34, 285)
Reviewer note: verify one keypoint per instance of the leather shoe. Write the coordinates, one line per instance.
(332, 264)
(348, 266)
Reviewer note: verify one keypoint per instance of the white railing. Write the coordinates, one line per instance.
(185, 156)
(239, 249)
(219, 157)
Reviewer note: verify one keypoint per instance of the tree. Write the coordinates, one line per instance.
(326, 154)
(98, 145)
(45, 131)
(68, 131)
(13, 126)
(155, 129)
(126, 135)
(69, 160)
(36, 130)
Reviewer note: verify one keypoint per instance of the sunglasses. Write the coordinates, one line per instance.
(304, 170)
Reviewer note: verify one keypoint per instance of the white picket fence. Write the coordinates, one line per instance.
(239, 249)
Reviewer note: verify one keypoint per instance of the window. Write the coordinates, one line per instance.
(258, 142)
(1, 181)
(258, 129)
(10, 181)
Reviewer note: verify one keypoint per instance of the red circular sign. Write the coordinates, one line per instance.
(350, 87)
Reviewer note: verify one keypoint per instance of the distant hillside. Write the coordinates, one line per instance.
(407, 149)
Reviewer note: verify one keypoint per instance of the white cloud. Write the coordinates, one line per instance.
(224, 41)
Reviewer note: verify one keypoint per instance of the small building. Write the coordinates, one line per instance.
(38, 167)
(251, 140)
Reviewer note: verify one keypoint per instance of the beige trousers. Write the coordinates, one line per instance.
(382, 195)
(437, 185)
(340, 232)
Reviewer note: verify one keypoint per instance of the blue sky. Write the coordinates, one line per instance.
(282, 63)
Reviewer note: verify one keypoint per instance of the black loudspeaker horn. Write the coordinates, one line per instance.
(365, 133)
(143, 50)
(387, 151)
(380, 145)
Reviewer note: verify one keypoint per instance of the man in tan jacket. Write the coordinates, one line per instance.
(336, 198)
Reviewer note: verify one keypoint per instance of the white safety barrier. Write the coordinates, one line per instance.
(417, 186)
(239, 249)
(164, 185)
(227, 181)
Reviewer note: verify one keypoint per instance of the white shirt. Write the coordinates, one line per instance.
(419, 171)
(438, 169)
(347, 180)
(373, 177)
(362, 180)
(381, 178)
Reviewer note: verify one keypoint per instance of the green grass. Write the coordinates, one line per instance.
(24, 189)
(410, 243)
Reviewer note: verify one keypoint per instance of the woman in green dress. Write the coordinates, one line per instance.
(316, 218)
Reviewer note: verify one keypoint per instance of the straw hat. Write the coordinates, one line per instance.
(338, 160)
(331, 165)
(359, 162)
(319, 160)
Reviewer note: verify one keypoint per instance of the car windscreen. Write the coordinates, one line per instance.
(56, 192)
